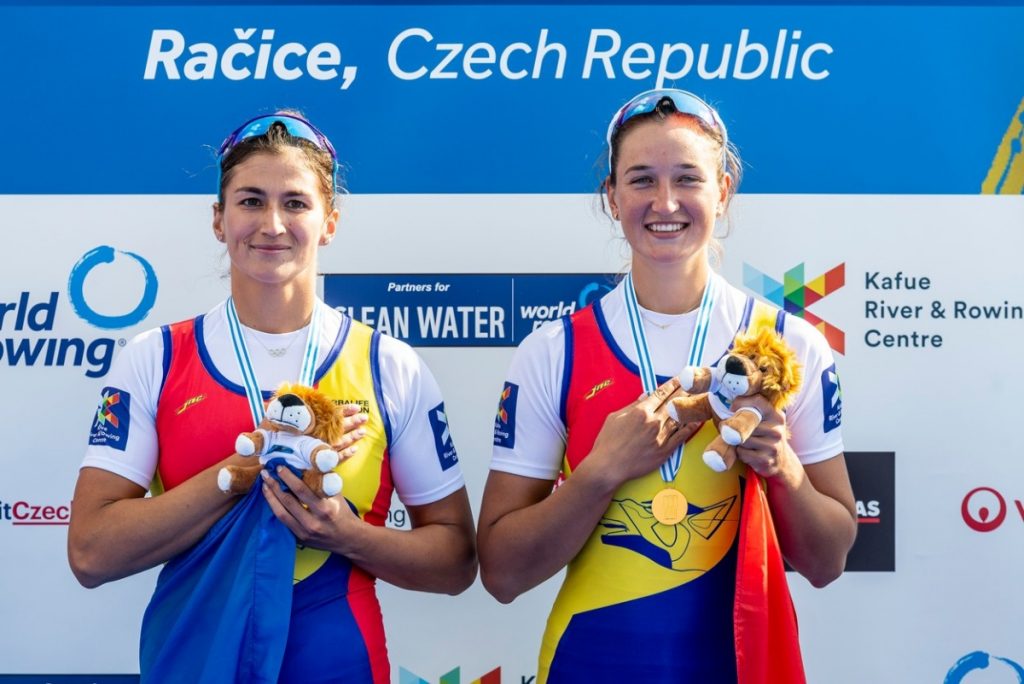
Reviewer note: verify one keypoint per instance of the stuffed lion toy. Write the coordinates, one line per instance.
(297, 431)
(759, 362)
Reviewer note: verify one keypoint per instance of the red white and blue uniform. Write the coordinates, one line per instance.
(644, 601)
(187, 406)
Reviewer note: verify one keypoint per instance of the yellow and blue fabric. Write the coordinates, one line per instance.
(644, 601)
(244, 604)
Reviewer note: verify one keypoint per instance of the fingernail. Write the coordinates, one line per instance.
(264, 475)
(360, 432)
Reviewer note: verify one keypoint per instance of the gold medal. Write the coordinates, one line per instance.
(669, 506)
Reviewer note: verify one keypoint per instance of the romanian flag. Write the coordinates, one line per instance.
(221, 610)
(765, 629)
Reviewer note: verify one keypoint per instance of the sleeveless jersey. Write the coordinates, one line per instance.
(656, 601)
(199, 415)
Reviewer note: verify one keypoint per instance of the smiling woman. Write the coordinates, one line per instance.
(277, 585)
(677, 565)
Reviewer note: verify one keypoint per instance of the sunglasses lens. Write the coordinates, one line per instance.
(297, 128)
(684, 103)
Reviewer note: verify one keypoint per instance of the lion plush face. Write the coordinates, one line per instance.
(761, 363)
(304, 410)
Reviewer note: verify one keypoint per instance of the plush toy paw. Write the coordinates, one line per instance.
(730, 436)
(687, 377)
(224, 480)
(715, 461)
(332, 484)
(326, 460)
(245, 446)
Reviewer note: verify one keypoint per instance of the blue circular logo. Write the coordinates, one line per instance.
(590, 292)
(979, 660)
(104, 254)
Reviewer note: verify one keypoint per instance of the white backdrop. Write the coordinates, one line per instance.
(953, 588)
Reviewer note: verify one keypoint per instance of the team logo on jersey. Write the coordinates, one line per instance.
(505, 420)
(442, 437)
(832, 395)
(631, 524)
(597, 388)
(189, 403)
(112, 420)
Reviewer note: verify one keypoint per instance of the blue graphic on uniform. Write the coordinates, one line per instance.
(505, 420)
(442, 437)
(112, 420)
(979, 660)
(631, 525)
(832, 395)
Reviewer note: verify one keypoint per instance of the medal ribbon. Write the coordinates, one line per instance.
(252, 387)
(670, 468)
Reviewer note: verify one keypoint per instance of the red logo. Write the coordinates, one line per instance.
(984, 509)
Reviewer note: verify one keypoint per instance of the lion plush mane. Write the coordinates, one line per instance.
(760, 362)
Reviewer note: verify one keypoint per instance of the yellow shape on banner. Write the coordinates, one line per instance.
(1006, 175)
(818, 285)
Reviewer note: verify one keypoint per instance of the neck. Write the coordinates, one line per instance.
(273, 308)
(670, 288)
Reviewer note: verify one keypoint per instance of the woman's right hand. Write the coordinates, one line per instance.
(638, 438)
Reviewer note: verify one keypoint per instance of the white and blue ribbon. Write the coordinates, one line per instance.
(670, 468)
(249, 382)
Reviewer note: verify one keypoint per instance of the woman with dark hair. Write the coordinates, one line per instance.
(187, 390)
(674, 571)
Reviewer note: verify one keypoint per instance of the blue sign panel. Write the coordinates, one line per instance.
(462, 310)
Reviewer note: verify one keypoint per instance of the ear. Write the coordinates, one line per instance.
(723, 197)
(218, 221)
(330, 227)
(609, 191)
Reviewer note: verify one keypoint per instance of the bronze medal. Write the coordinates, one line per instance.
(669, 506)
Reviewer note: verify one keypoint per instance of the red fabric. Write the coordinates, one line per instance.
(764, 620)
(197, 419)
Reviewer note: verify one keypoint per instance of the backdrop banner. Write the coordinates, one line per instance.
(882, 201)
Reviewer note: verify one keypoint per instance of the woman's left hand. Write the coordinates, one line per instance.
(767, 449)
(321, 523)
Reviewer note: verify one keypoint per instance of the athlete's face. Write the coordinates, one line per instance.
(273, 218)
(668, 193)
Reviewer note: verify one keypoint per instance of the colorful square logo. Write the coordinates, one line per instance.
(505, 420)
(112, 420)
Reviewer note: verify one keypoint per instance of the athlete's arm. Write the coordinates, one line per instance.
(815, 517)
(527, 533)
(116, 532)
(812, 505)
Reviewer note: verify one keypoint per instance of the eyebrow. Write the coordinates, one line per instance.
(648, 167)
(252, 190)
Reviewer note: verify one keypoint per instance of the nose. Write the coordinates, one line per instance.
(734, 366)
(275, 221)
(665, 201)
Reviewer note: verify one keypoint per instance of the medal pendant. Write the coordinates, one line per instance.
(669, 506)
